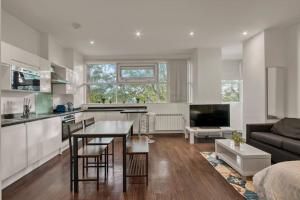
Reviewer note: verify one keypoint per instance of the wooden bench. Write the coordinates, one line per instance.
(137, 149)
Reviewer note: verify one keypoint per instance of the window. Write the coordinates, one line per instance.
(231, 90)
(111, 83)
(137, 73)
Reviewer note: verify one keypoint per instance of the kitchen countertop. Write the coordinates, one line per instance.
(33, 117)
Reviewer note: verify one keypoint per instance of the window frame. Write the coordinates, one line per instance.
(155, 80)
(153, 66)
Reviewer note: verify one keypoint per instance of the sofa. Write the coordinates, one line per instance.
(281, 139)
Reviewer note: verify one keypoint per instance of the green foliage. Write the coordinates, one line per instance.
(237, 138)
(103, 79)
(230, 90)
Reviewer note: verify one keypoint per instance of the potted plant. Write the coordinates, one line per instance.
(137, 99)
(103, 100)
(237, 138)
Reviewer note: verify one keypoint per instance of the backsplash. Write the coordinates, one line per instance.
(61, 99)
(44, 103)
(12, 102)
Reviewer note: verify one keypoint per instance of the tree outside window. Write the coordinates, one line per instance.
(231, 90)
(104, 87)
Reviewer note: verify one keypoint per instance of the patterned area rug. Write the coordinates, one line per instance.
(245, 188)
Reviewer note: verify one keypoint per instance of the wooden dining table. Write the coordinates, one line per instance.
(103, 129)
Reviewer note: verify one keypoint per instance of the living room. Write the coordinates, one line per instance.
(150, 99)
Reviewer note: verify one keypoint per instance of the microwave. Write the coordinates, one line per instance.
(25, 79)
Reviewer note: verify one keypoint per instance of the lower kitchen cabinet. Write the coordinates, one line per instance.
(13, 150)
(43, 138)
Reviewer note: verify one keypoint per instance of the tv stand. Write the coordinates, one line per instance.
(190, 132)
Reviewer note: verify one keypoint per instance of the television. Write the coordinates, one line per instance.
(210, 115)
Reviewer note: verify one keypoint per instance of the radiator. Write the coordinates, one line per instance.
(169, 122)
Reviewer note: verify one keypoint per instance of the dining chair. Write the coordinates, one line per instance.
(101, 141)
(85, 152)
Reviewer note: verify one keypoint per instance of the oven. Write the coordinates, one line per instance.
(66, 120)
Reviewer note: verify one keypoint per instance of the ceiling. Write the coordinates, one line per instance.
(164, 24)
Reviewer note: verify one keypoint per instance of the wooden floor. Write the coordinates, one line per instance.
(176, 171)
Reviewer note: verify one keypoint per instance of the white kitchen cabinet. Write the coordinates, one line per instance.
(13, 150)
(67, 75)
(5, 53)
(70, 88)
(44, 138)
(23, 58)
(45, 81)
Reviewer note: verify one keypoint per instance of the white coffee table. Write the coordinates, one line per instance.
(245, 159)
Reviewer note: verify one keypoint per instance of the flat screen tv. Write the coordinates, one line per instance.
(210, 115)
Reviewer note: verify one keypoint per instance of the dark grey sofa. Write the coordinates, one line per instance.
(281, 140)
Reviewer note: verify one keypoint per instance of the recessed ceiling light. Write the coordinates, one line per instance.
(138, 34)
(245, 33)
(92, 42)
(192, 34)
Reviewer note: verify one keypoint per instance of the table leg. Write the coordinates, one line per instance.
(192, 137)
(124, 164)
(75, 152)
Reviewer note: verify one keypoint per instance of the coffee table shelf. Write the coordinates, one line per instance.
(245, 159)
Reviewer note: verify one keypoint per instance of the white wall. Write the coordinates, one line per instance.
(254, 81)
(232, 70)
(15, 32)
(207, 70)
(79, 71)
(293, 75)
(12, 102)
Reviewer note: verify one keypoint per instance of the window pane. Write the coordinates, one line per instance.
(129, 93)
(230, 90)
(103, 92)
(163, 75)
(137, 73)
(102, 73)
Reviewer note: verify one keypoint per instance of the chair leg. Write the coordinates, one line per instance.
(71, 175)
(105, 172)
(107, 160)
(97, 161)
(147, 168)
(87, 164)
(113, 152)
(83, 167)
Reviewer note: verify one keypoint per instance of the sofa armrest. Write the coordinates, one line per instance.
(257, 128)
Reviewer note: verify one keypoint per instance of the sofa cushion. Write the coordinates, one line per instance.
(268, 138)
(291, 145)
(288, 127)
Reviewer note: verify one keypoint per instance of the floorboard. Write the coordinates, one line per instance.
(176, 171)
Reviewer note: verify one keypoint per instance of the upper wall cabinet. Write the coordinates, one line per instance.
(54, 52)
(16, 56)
